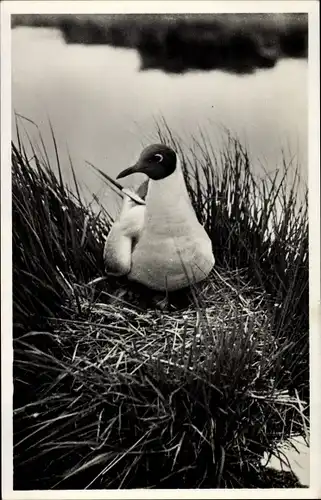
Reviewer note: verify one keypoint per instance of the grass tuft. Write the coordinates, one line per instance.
(113, 393)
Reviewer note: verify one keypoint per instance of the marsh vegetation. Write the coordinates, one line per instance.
(112, 393)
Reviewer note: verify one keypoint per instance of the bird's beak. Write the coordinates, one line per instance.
(128, 171)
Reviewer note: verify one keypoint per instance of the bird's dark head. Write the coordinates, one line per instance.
(156, 161)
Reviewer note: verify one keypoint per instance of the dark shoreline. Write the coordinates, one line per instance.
(237, 43)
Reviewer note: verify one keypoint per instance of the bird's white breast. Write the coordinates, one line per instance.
(173, 250)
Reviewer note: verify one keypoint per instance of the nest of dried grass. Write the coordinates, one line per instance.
(126, 391)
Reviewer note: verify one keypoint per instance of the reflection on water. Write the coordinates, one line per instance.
(104, 108)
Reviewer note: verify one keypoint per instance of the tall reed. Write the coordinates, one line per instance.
(111, 394)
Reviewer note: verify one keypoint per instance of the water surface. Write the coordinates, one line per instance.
(103, 108)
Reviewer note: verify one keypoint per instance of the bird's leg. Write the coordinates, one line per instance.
(160, 301)
(118, 296)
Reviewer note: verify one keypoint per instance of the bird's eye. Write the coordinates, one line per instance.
(158, 157)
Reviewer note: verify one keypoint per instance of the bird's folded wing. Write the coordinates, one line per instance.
(122, 237)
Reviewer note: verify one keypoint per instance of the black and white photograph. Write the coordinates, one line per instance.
(159, 268)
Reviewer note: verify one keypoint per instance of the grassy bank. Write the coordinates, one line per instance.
(176, 43)
(111, 393)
